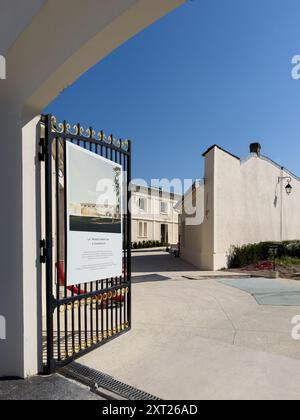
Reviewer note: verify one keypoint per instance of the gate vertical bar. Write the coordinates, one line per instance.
(49, 254)
(58, 258)
(129, 229)
(66, 240)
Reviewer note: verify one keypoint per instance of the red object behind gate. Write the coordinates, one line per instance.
(265, 265)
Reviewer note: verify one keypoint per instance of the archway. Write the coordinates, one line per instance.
(45, 52)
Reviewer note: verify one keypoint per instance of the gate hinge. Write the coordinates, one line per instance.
(42, 153)
(44, 252)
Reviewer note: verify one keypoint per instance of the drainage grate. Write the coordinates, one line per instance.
(95, 380)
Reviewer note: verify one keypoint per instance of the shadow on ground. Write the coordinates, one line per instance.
(54, 387)
(162, 262)
(149, 278)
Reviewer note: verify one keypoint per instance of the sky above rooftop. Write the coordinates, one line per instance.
(212, 71)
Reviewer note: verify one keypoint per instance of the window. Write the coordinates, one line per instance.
(140, 229)
(142, 204)
(164, 207)
(143, 229)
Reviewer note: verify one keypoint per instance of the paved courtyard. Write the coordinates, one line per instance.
(194, 337)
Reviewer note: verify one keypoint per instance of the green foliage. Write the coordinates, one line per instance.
(293, 249)
(287, 261)
(255, 253)
(146, 244)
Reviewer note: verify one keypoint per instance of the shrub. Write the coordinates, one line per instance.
(285, 260)
(293, 249)
(254, 253)
(146, 244)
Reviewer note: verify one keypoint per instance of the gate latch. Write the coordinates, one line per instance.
(44, 252)
(42, 153)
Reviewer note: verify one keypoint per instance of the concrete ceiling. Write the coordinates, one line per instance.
(76, 34)
(14, 17)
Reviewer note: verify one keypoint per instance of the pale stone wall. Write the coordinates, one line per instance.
(242, 202)
(197, 235)
(153, 216)
(250, 203)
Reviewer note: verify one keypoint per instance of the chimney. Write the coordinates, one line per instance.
(255, 148)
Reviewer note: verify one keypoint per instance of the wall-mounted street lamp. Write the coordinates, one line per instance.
(288, 190)
(288, 187)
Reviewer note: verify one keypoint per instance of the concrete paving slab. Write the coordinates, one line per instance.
(261, 285)
(268, 291)
(187, 366)
(279, 299)
(203, 340)
(279, 343)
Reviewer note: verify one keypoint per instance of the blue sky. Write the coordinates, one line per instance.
(212, 71)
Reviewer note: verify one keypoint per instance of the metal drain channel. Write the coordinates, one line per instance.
(94, 379)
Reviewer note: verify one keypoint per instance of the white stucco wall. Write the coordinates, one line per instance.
(243, 203)
(197, 234)
(248, 202)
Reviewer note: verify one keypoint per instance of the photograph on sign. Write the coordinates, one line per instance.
(94, 216)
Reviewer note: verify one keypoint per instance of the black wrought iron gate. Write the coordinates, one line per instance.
(79, 318)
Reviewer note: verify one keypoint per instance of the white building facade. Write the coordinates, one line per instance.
(154, 217)
(238, 202)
